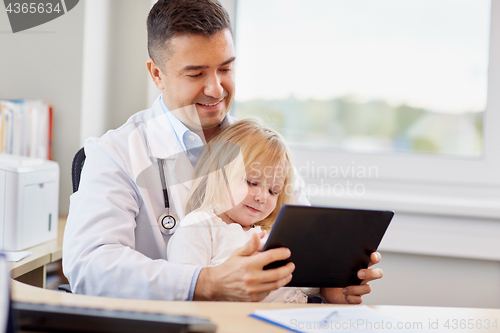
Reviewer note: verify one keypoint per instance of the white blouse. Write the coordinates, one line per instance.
(204, 239)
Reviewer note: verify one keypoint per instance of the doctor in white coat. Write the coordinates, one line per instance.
(113, 244)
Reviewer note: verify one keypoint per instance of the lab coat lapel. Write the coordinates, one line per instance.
(163, 144)
(179, 177)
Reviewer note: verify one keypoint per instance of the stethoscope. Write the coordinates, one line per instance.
(166, 221)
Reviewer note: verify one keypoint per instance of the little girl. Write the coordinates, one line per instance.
(244, 176)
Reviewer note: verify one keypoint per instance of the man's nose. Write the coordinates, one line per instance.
(213, 87)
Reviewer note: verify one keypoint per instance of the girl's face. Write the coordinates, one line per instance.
(254, 196)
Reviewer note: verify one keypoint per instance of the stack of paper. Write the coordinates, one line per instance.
(337, 319)
(15, 256)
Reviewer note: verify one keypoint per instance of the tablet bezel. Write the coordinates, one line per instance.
(308, 232)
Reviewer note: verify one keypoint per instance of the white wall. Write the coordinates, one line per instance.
(115, 80)
(424, 280)
(128, 56)
(46, 62)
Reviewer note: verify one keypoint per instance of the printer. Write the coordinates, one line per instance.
(29, 198)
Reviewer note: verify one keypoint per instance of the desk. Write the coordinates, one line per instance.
(229, 317)
(233, 317)
(31, 270)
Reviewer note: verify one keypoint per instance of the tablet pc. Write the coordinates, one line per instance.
(328, 245)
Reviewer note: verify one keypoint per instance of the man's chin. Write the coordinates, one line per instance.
(211, 119)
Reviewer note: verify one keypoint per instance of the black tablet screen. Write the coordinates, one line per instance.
(328, 245)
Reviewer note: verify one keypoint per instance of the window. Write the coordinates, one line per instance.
(404, 89)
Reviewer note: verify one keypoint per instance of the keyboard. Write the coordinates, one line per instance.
(55, 318)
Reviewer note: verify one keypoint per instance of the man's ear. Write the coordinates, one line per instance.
(155, 72)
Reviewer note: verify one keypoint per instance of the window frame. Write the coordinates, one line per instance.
(421, 183)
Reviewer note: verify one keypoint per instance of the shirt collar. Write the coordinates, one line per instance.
(182, 133)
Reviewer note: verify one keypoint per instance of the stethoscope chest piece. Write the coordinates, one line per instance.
(167, 223)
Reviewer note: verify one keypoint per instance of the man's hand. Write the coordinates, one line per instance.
(353, 294)
(241, 277)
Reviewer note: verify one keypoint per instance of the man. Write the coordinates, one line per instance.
(113, 244)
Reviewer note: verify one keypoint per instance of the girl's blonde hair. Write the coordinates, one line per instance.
(259, 146)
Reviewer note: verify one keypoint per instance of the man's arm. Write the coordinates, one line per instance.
(106, 251)
(241, 277)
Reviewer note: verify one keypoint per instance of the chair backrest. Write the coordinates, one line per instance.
(76, 168)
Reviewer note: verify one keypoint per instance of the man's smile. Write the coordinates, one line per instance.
(212, 104)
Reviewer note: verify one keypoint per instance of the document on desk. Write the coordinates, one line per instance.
(16, 256)
(357, 318)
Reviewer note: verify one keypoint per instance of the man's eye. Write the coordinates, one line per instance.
(226, 69)
(195, 75)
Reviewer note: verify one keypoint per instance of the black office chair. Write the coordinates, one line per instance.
(76, 170)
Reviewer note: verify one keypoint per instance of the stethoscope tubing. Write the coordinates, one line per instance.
(166, 221)
(163, 183)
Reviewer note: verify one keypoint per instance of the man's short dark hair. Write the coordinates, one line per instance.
(168, 18)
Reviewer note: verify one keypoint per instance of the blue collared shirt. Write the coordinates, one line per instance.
(186, 138)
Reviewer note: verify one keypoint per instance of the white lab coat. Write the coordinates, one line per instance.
(112, 242)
